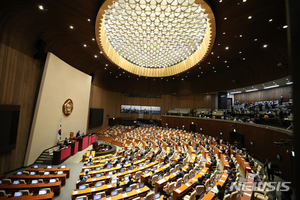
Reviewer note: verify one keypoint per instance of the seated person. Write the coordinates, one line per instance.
(256, 177)
(180, 174)
(199, 182)
(221, 192)
(61, 146)
(78, 134)
(118, 186)
(82, 181)
(166, 186)
(66, 142)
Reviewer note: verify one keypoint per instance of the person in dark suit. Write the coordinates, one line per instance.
(78, 134)
(221, 192)
(66, 142)
(82, 181)
(281, 99)
(270, 169)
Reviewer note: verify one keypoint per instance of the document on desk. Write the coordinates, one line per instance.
(75, 192)
(161, 181)
(124, 195)
(138, 190)
(177, 190)
(108, 198)
(247, 194)
(224, 176)
(93, 189)
(194, 179)
(187, 184)
(93, 179)
(222, 181)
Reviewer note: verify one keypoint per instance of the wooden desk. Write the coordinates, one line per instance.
(65, 170)
(61, 177)
(48, 196)
(224, 162)
(247, 191)
(56, 187)
(184, 189)
(245, 167)
(210, 195)
(61, 155)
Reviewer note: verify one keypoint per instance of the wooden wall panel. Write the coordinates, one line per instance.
(265, 95)
(263, 138)
(20, 78)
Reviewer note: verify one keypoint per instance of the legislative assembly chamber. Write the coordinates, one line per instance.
(149, 99)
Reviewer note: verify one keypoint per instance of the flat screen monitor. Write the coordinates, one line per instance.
(108, 166)
(168, 173)
(114, 193)
(98, 175)
(16, 182)
(109, 156)
(293, 153)
(122, 158)
(32, 173)
(128, 189)
(128, 157)
(131, 167)
(118, 165)
(154, 168)
(0, 182)
(98, 184)
(114, 181)
(82, 187)
(162, 164)
(42, 192)
(122, 170)
(156, 196)
(88, 164)
(140, 158)
(160, 177)
(141, 185)
(46, 173)
(178, 185)
(126, 178)
(126, 163)
(110, 173)
(187, 180)
(60, 172)
(98, 168)
(17, 194)
(63, 167)
(19, 173)
(97, 196)
(35, 166)
(49, 167)
(146, 172)
(34, 181)
(193, 175)
(86, 177)
(52, 180)
(141, 165)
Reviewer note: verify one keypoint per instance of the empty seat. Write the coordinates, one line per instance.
(134, 186)
(2, 193)
(6, 181)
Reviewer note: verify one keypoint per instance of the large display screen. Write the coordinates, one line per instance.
(152, 110)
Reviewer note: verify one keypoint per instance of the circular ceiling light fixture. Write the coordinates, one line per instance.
(155, 38)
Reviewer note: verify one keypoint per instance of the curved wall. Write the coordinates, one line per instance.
(263, 138)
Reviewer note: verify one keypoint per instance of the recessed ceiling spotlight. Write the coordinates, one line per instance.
(244, 58)
(110, 72)
(182, 79)
(153, 79)
(71, 27)
(89, 20)
(225, 61)
(173, 78)
(218, 56)
(106, 65)
(199, 67)
(225, 18)
(285, 26)
(227, 66)
(128, 76)
(123, 72)
(188, 72)
(215, 71)
(240, 52)
(96, 56)
(41, 7)
(241, 35)
(244, 0)
(198, 75)
(220, 1)
(161, 78)
(105, 68)
(167, 80)
(223, 33)
(208, 63)
(212, 52)
(185, 76)
(255, 39)
(137, 78)
(250, 17)
(270, 20)
(201, 72)
(84, 45)
(213, 67)
(100, 52)
(93, 39)
(265, 46)
(219, 44)
(226, 48)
